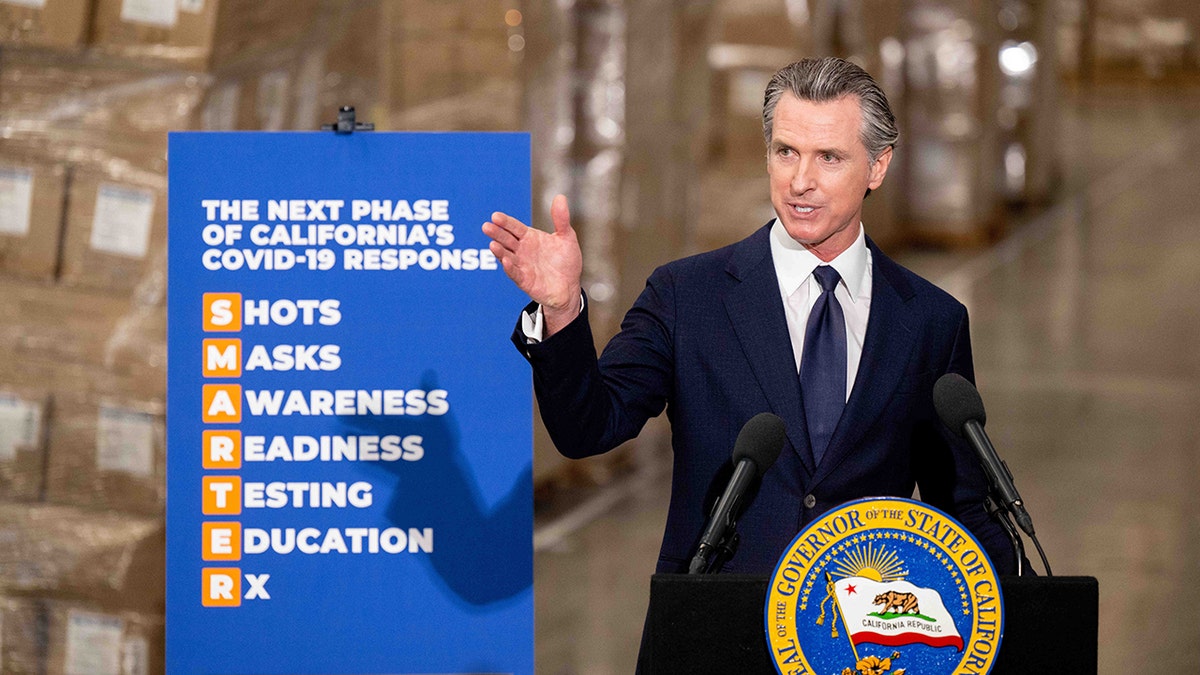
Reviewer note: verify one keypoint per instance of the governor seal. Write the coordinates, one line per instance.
(884, 586)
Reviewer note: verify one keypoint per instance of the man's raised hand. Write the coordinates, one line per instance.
(547, 266)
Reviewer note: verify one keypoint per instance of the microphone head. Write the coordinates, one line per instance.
(760, 441)
(957, 402)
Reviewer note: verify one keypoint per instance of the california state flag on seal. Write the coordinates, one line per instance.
(895, 613)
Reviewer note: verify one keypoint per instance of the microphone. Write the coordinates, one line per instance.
(959, 406)
(757, 446)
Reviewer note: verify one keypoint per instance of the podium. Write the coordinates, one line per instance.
(714, 624)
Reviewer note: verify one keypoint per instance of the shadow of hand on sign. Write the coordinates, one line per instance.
(476, 551)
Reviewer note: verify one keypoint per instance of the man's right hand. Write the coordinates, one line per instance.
(547, 266)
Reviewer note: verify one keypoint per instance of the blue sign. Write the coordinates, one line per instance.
(349, 475)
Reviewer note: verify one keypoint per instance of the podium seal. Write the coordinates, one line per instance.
(884, 586)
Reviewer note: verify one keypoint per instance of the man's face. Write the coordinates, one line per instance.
(820, 172)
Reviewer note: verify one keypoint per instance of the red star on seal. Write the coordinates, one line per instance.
(850, 590)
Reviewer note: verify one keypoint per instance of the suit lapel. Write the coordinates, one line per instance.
(756, 312)
(887, 347)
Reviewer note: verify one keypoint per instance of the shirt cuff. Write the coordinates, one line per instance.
(533, 324)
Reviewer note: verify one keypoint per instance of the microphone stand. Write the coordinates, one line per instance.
(1005, 519)
(959, 406)
(726, 548)
(710, 558)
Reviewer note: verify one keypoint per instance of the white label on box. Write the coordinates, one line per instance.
(39, 4)
(220, 112)
(122, 221)
(125, 442)
(191, 6)
(308, 91)
(93, 644)
(272, 100)
(746, 91)
(16, 197)
(136, 658)
(164, 13)
(20, 425)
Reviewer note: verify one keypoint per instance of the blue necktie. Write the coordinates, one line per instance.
(823, 364)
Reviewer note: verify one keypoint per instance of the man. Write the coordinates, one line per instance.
(805, 318)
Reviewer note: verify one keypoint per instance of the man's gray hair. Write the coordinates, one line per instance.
(829, 79)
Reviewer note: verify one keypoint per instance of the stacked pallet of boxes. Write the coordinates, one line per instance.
(951, 154)
(289, 65)
(81, 354)
(1130, 39)
(458, 65)
(88, 92)
(452, 64)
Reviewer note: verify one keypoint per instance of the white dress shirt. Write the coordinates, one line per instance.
(794, 267)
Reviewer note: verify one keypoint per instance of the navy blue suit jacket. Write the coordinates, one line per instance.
(707, 341)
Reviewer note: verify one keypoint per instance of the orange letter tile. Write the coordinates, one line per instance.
(222, 312)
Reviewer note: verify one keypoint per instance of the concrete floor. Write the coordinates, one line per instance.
(1084, 325)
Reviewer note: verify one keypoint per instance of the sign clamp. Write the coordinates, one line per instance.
(346, 123)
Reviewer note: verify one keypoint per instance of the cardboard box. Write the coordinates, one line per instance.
(78, 339)
(221, 106)
(107, 452)
(111, 559)
(53, 325)
(24, 412)
(429, 17)
(484, 60)
(425, 70)
(353, 61)
(296, 80)
(439, 17)
(31, 210)
(178, 30)
(437, 62)
(31, 377)
(272, 99)
(22, 635)
(253, 97)
(83, 638)
(136, 352)
(44, 23)
(307, 107)
(265, 92)
(57, 339)
(247, 30)
(102, 114)
(40, 635)
(115, 230)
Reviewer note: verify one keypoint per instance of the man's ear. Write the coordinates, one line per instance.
(879, 169)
